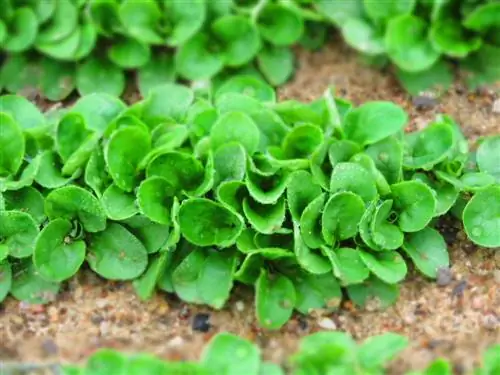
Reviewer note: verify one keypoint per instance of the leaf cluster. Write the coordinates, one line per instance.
(320, 353)
(422, 37)
(191, 194)
(56, 46)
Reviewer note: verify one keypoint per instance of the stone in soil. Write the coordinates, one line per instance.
(201, 322)
(444, 276)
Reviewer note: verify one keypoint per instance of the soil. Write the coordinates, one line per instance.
(457, 320)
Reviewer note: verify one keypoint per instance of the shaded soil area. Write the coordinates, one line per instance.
(457, 319)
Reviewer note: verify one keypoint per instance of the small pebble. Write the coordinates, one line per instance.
(444, 276)
(424, 101)
(96, 319)
(496, 106)
(240, 306)
(201, 322)
(327, 323)
(49, 347)
(175, 342)
(459, 289)
(496, 275)
(490, 321)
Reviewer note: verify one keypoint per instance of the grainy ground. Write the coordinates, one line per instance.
(457, 321)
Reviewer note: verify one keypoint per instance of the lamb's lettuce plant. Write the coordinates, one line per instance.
(193, 193)
(421, 38)
(57, 46)
(318, 353)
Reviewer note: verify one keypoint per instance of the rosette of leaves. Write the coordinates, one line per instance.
(192, 194)
(421, 37)
(56, 46)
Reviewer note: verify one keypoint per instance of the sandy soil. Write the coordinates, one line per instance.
(457, 321)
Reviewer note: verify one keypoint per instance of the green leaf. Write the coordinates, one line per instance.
(448, 37)
(268, 368)
(339, 11)
(279, 25)
(275, 298)
(49, 174)
(5, 279)
(62, 23)
(484, 17)
(271, 126)
(11, 146)
(481, 217)
(145, 284)
(29, 286)
(231, 194)
(24, 113)
(248, 85)
(374, 121)
(20, 74)
(230, 354)
(239, 38)
(64, 49)
(363, 36)
(234, 102)
(391, 8)
(57, 256)
(57, 79)
(141, 20)
(158, 71)
(374, 292)
(185, 277)
(491, 362)
(377, 351)
(428, 251)
(439, 367)
(22, 31)
(390, 267)
(217, 267)
(26, 199)
(105, 361)
(407, 44)
(76, 203)
(301, 190)
(196, 59)
(229, 163)
(439, 77)
(96, 176)
(310, 222)
(316, 292)
(99, 76)
(276, 64)
(353, 177)
(87, 42)
(428, 147)
(25, 177)
(116, 254)
(207, 223)
(18, 232)
(266, 189)
(415, 204)
(310, 261)
(155, 198)
(302, 141)
(384, 234)
(265, 218)
(165, 102)
(118, 204)
(71, 133)
(185, 21)
(98, 110)
(123, 153)
(129, 53)
(487, 155)
(104, 15)
(341, 216)
(235, 126)
(182, 170)
(388, 157)
(153, 236)
(347, 265)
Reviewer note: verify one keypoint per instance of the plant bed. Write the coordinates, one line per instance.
(480, 285)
